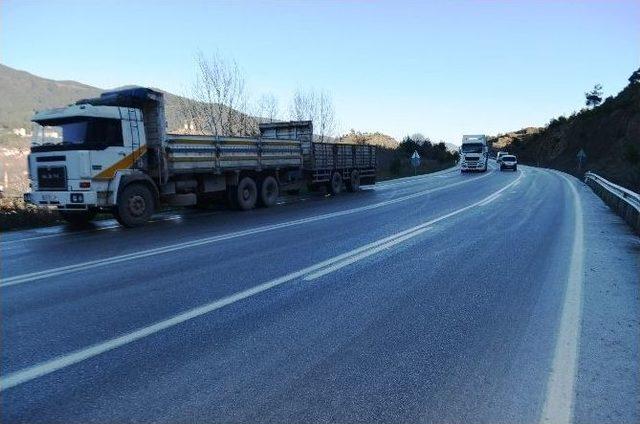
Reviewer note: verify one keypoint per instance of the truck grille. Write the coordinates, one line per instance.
(52, 178)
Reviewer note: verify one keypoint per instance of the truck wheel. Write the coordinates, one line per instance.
(335, 185)
(246, 194)
(135, 205)
(354, 182)
(78, 218)
(269, 192)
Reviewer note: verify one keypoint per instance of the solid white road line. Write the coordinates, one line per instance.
(558, 405)
(52, 272)
(354, 258)
(44, 368)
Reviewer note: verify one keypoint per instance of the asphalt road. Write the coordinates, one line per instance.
(496, 297)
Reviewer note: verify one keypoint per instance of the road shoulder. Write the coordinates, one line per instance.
(608, 380)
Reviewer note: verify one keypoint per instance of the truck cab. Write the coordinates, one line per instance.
(82, 152)
(474, 153)
(76, 152)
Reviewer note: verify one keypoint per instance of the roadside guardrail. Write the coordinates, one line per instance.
(624, 202)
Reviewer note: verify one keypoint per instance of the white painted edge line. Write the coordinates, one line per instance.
(27, 374)
(560, 394)
(52, 272)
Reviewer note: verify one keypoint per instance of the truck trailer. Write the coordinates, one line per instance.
(112, 154)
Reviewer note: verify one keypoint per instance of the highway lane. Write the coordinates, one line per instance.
(178, 228)
(451, 311)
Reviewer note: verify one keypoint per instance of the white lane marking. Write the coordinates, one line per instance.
(63, 361)
(493, 197)
(558, 405)
(348, 261)
(52, 272)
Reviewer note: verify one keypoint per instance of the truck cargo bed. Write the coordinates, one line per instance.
(321, 160)
(197, 153)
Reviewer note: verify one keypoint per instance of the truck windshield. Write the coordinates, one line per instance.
(472, 148)
(90, 133)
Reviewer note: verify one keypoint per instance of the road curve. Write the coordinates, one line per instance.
(440, 298)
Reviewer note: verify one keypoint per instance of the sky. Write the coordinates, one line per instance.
(441, 68)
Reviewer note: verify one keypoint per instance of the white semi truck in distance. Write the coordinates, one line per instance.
(112, 154)
(474, 153)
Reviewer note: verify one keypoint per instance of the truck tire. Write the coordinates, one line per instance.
(78, 218)
(353, 184)
(135, 205)
(335, 184)
(269, 192)
(246, 194)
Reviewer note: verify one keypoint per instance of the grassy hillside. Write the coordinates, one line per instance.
(22, 93)
(609, 135)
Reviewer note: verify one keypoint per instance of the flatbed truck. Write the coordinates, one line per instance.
(113, 154)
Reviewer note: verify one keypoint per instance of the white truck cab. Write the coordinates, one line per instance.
(75, 154)
(474, 153)
(80, 153)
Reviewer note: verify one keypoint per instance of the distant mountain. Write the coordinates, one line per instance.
(23, 93)
(609, 134)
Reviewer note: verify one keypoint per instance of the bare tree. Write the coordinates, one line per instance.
(218, 101)
(303, 105)
(317, 107)
(325, 119)
(268, 107)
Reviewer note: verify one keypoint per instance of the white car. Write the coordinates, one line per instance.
(500, 155)
(509, 162)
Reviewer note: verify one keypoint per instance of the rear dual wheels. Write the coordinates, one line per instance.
(335, 183)
(247, 194)
(269, 192)
(353, 184)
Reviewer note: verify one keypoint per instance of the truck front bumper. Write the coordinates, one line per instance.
(75, 200)
(472, 166)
